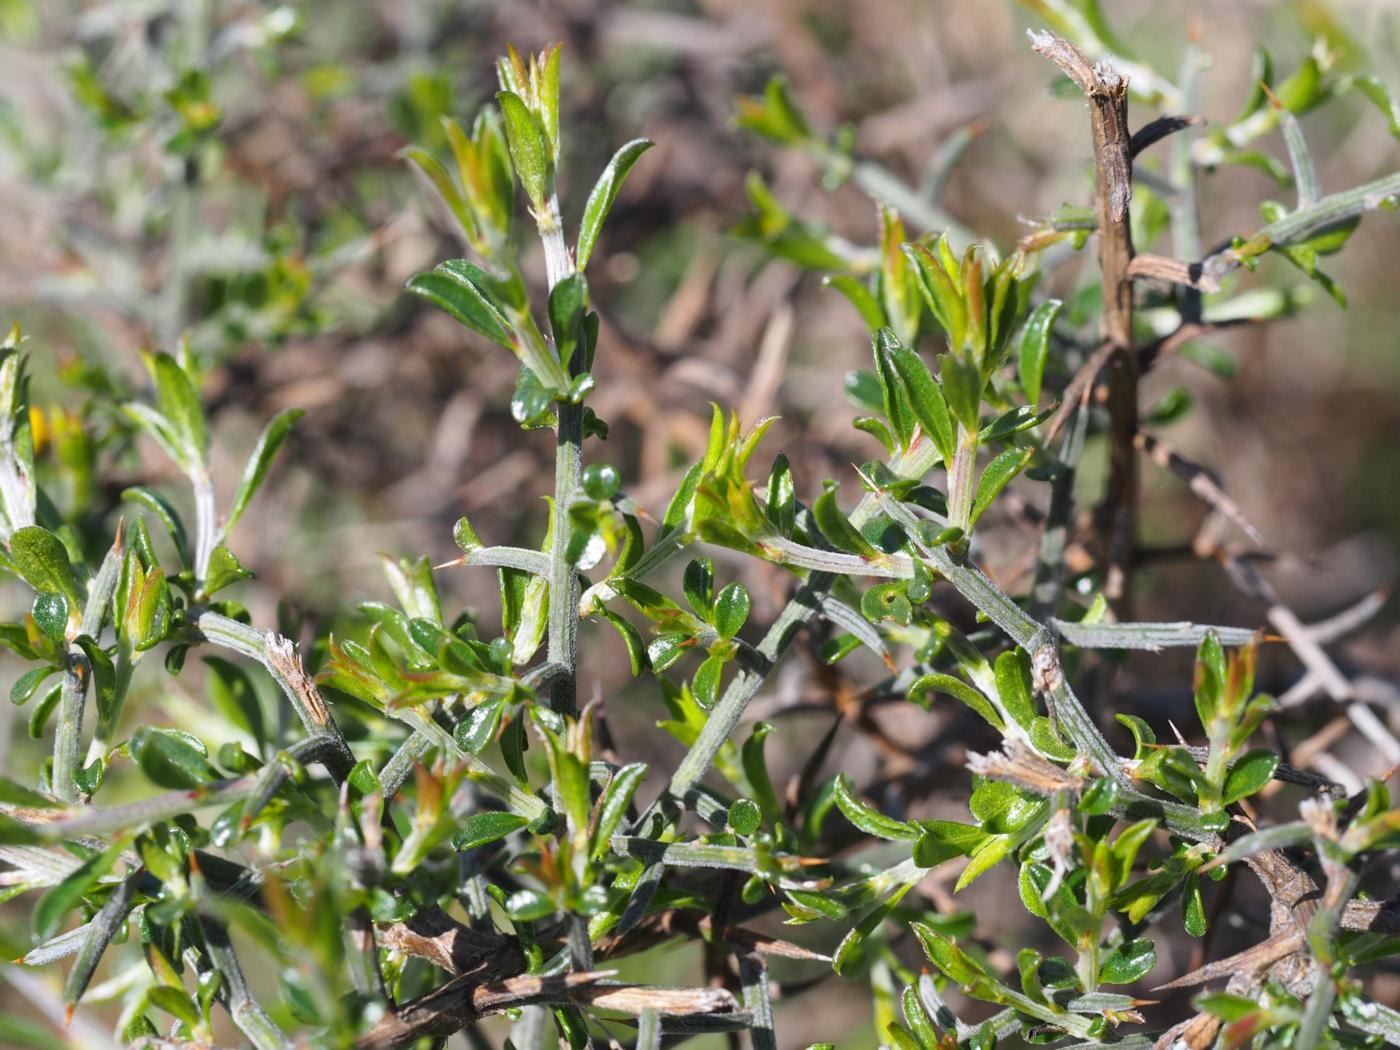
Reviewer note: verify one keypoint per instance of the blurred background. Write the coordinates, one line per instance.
(278, 232)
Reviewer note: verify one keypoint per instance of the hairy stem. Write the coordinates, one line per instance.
(725, 716)
(206, 536)
(568, 465)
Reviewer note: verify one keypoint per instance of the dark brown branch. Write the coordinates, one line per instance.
(1157, 130)
(1150, 354)
(1077, 392)
(464, 1000)
(486, 969)
(1107, 93)
(434, 935)
(1202, 482)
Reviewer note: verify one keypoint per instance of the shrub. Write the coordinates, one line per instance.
(449, 835)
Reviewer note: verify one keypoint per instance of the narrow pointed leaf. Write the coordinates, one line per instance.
(260, 462)
(600, 200)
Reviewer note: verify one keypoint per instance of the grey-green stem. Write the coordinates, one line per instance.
(568, 465)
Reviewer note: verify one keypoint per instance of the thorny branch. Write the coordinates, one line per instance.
(1107, 93)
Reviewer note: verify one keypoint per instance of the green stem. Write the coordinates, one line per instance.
(206, 534)
(68, 739)
(568, 465)
(962, 474)
(877, 181)
(103, 820)
(77, 671)
(1342, 882)
(278, 655)
(726, 714)
(245, 1010)
(1304, 222)
(563, 579)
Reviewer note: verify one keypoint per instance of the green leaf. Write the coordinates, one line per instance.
(962, 388)
(808, 244)
(860, 296)
(166, 512)
(231, 691)
(705, 684)
(362, 777)
(464, 291)
(941, 292)
(174, 1001)
(600, 481)
(530, 150)
(613, 803)
(224, 570)
(1248, 774)
(887, 601)
(893, 398)
(781, 505)
(938, 682)
(837, 528)
(1193, 908)
(50, 612)
(698, 584)
(42, 709)
(178, 401)
(104, 675)
(1013, 678)
(731, 610)
(943, 839)
(1035, 348)
(773, 115)
(998, 475)
(42, 561)
(871, 820)
(755, 763)
(824, 906)
(1226, 1006)
(925, 397)
(479, 829)
(1098, 798)
(744, 816)
(1012, 422)
(1171, 407)
(442, 182)
(61, 899)
(570, 776)
(1129, 962)
(480, 725)
(13, 794)
(568, 301)
(260, 462)
(24, 1034)
(146, 619)
(171, 759)
(604, 192)
(1209, 685)
(632, 638)
(986, 857)
(26, 684)
(952, 961)
(850, 947)
(17, 833)
(864, 390)
(1143, 737)
(1376, 89)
